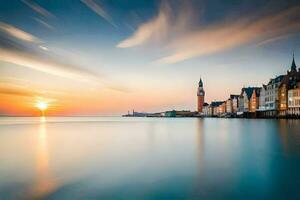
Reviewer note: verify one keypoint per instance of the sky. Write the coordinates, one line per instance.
(105, 57)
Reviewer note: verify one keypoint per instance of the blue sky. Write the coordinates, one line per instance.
(146, 55)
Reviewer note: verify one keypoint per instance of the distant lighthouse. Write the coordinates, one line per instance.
(200, 96)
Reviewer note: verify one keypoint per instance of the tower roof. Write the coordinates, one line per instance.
(200, 83)
(293, 66)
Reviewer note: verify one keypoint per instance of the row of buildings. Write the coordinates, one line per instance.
(280, 97)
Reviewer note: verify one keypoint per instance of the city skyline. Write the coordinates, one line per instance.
(104, 58)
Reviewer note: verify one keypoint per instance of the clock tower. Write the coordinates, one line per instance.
(200, 96)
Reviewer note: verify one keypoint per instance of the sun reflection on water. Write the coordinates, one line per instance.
(44, 182)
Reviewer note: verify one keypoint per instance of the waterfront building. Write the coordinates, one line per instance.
(240, 103)
(217, 108)
(232, 104)
(250, 99)
(235, 103)
(206, 109)
(262, 99)
(272, 97)
(222, 109)
(294, 101)
(228, 106)
(289, 82)
(200, 96)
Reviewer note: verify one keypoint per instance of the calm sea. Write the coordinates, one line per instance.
(149, 158)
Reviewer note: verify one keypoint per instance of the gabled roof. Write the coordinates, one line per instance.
(216, 103)
(249, 91)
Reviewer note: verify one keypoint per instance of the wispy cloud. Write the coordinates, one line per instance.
(227, 35)
(21, 48)
(164, 27)
(17, 33)
(45, 24)
(274, 39)
(46, 65)
(98, 10)
(154, 30)
(17, 91)
(25, 88)
(37, 8)
(189, 42)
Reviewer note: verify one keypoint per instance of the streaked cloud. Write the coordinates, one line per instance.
(17, 91)
(273, 39)
(25, 88)
(182, 42)
(98, 10)
(20, 48)
(17, 33)
(37, 8)
(45, 24)
(46, 65)
(220, 37)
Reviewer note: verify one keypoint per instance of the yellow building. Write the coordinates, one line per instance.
(294, 102)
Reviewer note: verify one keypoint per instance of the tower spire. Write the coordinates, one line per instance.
(200, 82)
(293, 66)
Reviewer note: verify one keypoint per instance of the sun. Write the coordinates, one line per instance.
(42, 106)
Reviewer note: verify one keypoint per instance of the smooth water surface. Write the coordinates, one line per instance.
(149, 158)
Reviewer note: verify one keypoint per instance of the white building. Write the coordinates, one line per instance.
(232, 104)
(271, 96)
(206, 109)
(262, 99)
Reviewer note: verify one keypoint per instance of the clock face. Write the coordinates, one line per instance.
(201, 93)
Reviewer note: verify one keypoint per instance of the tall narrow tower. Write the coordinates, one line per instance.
(200, 96)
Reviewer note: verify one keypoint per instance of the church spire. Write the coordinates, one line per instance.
(293, 66)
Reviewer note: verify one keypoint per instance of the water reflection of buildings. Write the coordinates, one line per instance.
(200, 142)
(289, 133)
(44, 183)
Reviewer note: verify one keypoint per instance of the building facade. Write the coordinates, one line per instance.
(250, 96)
(241, 103)
(232, 104)
(229, 106)
(218, 108)
(206, 109)
(200, 96)
(294, 101)
(272, 97)
(262, 99)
